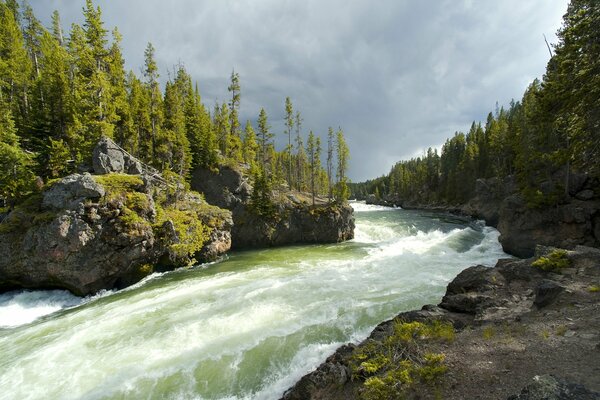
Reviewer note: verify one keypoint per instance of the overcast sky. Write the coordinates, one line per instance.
(397, 76)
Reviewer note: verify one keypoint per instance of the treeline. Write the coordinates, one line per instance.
(59, 94)
(553, 131)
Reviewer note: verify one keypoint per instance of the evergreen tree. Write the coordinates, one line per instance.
(250, 146)
(330, 163)
(313, 150)
(289, 126)
(264, 137)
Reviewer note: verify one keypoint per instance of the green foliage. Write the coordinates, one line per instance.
(392, 367)
(261, 202)
(191, 233)
(26, 214)
(119, 185)
(555, 261)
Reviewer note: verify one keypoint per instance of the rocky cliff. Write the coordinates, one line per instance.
(88, 232)
(522, 226)
(294, 219)
(525, 329)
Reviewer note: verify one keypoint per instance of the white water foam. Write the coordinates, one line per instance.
(361, 206)
(22, 307)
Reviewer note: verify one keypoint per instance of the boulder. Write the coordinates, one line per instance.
(73, 237)
(549, 387)
(293, 221)
(546, 292)
(109, 157)
(69, 192)
(565, 225)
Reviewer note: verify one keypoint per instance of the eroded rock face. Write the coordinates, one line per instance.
(78, 240)
(109, 157)
(565, 225)
(293, 222)
(71, 191)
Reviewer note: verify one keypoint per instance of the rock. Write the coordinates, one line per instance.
(332, 374)
(69, 192)
(109, 157)
(489, 194)
(75, 239)
(546, 292)
(565, 226)
(548, 387)
(467, 292)
(587, 194)
(293, 222)
(371, 199)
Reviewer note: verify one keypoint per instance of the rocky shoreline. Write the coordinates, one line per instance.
(85, 233)
(520, 333)
(576, 221)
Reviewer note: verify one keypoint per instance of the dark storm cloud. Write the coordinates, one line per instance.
(397, 76)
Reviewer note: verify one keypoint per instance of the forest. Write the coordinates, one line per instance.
(541, 140)
(60, 93)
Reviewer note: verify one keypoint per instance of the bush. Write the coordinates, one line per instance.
(391, 367)
(555, 261)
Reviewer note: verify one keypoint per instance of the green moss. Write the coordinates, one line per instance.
(594, 289)
(191, 232)
(117, 186)
(134, 224)
(25, 215)
(555, 261)
(137, 201)
(392, 367)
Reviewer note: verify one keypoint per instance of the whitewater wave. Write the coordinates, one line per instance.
(361, 206)
(22, 307)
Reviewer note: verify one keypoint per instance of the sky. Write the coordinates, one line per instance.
(398, 76)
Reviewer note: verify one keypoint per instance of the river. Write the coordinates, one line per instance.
(247, 327)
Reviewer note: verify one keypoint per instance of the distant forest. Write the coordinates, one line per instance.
(59, 94)
(540, 140)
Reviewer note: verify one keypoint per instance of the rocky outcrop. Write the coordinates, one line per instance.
(513, 323)
(548, 387)
(109, 157)
(574, 221)
(564, 225)
(86, 233)
(293, 221)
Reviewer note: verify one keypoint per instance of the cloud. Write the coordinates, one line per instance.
(398, 77)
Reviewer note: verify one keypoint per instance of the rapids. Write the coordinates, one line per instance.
(246, 327)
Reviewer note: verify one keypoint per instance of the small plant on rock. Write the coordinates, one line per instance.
(555, 261)
(392, 367)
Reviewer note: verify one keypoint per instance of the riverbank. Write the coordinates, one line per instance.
(512, 323)
(573, 221)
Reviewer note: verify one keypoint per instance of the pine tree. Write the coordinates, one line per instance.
(264, 137)
(300, 154)
(313, 150)
(234, 104)
(343, 155)
(154, 99)
(15, 174)
(289, 126)
(250, 146)
(330, 163)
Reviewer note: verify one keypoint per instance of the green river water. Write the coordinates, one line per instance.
(246, 327)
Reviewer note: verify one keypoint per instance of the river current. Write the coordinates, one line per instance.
(246, 327)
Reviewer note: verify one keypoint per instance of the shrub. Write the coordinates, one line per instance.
(555, 261)
(391, 367)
